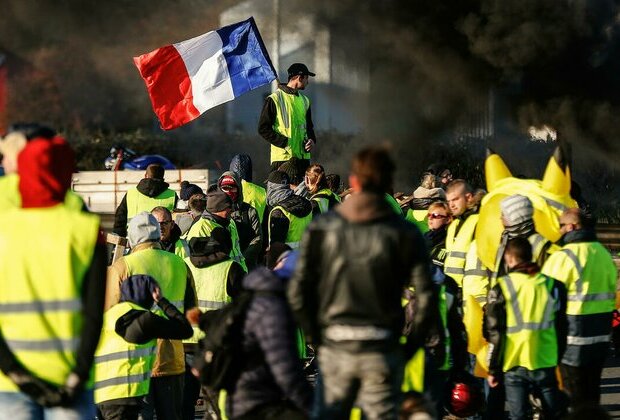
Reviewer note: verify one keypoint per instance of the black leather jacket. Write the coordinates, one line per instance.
(353, 265)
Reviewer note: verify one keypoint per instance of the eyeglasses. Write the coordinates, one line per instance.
(433, 216)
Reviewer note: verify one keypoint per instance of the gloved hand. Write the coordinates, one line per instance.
(45, 393)
(72, 388)
(40, 391)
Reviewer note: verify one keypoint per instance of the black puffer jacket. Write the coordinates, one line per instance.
(269, 336)
(150, 187)
(353, 266)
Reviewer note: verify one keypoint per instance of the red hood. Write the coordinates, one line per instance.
(45, 167)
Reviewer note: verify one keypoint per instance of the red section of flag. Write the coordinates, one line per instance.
(169, 86)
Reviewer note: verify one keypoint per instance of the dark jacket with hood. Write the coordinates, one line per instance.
(269, 333)
(248, 223)
(277, 224)
(353, 265)
(150, 187)
(214, 249)
(494, 330)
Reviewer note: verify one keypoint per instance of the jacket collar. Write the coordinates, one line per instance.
(365, 207)
(145, 245)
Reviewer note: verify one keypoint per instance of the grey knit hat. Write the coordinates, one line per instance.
(516, 209)
(143, 227)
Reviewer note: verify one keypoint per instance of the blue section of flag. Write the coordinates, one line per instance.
(248, 63)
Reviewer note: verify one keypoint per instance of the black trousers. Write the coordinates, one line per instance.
(281, 410)
(583, 384)
(118, 411)
(165, 398)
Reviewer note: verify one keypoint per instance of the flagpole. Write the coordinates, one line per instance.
(276, 46)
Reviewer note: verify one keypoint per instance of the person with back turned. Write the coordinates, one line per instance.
(354, 264)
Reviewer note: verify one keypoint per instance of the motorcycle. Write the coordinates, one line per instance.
(122, 158)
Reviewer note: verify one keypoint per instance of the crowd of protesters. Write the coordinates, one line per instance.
(366, 294)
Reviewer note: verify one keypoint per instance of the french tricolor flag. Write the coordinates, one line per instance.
(187, 78)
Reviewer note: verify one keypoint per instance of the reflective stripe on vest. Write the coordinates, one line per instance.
(211, 292)
(296, 226)
(290, 122)
(476, 277)
(203, 228)
(530, 333)
(590, 275)
(324, 197)
(121, 369)
(255, 196)
(41, 287)
(457, 246)
(138, 202)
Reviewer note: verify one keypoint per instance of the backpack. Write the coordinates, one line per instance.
(220, 362)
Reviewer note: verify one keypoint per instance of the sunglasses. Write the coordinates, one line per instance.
(433, 216)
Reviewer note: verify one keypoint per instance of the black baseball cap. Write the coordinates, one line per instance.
(299, 69)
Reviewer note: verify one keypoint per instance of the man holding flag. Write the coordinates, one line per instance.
(286, 120)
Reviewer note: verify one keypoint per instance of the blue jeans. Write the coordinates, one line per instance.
(372, 379)
(17, 406)
(520, 381)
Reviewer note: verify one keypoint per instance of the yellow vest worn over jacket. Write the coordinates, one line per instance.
(41, 282)
(590, 275)
(170, 272)
(210, 289)
(530, 314)
(138, 202)
(203, 228)
(457, 245)
(476, 279)
(10, 197)
(290, 122)
(122, 369)
(255, 196)
(322, 197)
(296, 226)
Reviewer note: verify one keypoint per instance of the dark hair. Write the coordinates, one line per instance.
(32, 130)
(333, 183)
(155, 171)
(197, 202)
(374, 168)
(520, 249)
(316, 175)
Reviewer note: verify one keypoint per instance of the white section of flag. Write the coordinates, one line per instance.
(207, 70)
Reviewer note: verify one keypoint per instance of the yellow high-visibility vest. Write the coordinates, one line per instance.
(290, 122)
(41, 287)
(255, 196)
(530, 314)
(122, 369)
(590, 276)
(211, 293)
(203, 228)
(457, 246)
(138, 202)
(296, 226)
